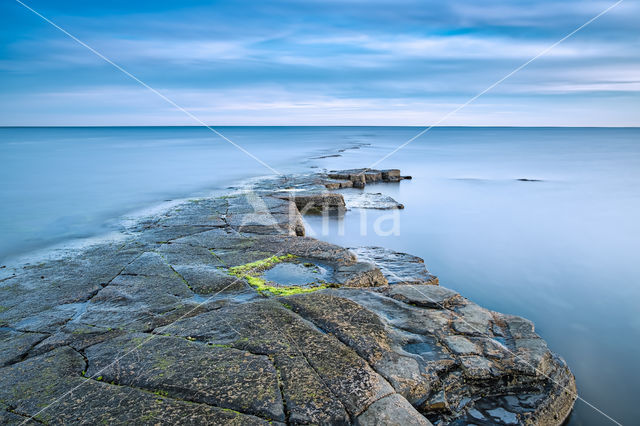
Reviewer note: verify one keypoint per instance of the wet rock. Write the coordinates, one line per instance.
(306, 397)
(15, 345)
(460, 345)
(360, 274)
(429, 297)
(149, 264)
(136, 301)
(452, 366)
(373, 176)
(77, 336)
(51, 389)
(392, 410)
(360, 177)
(359, 181)
(398, 268)
(214, 350)
(208, 280)
(316, 202)
(271, 329)
(472, 319)
(305, 247)
(176, 254)
(362, 330)
(477, 367)
(263, 214)
(371, 200)
(351, 323)
(390, 175)
(332, 184)
(175, 367)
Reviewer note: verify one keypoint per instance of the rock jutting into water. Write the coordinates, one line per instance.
(221, 311)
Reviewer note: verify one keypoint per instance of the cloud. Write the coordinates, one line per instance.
(120, 105)
(315, 61)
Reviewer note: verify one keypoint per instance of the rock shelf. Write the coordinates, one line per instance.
(211, 313)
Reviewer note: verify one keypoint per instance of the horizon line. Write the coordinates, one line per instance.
(310, 125)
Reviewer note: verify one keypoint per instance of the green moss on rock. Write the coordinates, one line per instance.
(252, 272)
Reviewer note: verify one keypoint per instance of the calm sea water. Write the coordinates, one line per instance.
(62, 183)
(563, 252)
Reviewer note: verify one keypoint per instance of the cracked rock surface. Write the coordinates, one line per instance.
(177, 322)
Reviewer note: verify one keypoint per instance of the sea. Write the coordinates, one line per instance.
(538, 222)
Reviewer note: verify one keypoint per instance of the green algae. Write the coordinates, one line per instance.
(252, 273)
(259, 265)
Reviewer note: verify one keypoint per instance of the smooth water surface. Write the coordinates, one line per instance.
(563, 252)
(62, 183)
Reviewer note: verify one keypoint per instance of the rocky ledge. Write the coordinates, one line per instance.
(222, 311)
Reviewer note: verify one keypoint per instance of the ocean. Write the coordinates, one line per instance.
(537, 222)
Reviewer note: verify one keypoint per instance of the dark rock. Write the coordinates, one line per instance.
(337, 184)
(135, 302)
(390, 175)
(310, 203)
(259, 214)
(209, 280)
(326, 156)
(392, 410)
(268, 328)
(424, 296)
(359, 180)
(306, 397)
(372, 176)
(51, 389)
(360, 274)
(398, 268)
(214, 350)
(15, 345)
(218, 376)
(77, 336)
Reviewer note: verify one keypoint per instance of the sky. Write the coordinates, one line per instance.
(329, 62)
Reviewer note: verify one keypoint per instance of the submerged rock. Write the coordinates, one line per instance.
(222, 311)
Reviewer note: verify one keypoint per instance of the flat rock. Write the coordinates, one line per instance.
(360, 177)
(371, 200)
(359, 274)
(210, 280)
(269, 328)
(155, 328)
(398, 268)
(14, 345)
(392, 410)
(51, 389)
(425, 296)
(175, 367)
(337, 184)
(315, 202)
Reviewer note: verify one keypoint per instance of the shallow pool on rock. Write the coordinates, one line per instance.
(303, 274)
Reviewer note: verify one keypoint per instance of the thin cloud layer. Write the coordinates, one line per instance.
(287, 62)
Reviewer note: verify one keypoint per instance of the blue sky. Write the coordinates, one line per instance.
(358, 62)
